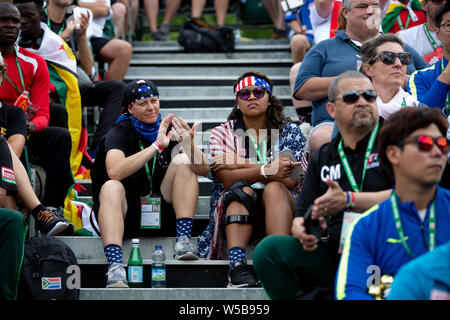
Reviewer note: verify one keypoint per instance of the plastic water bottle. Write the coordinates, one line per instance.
(237, 34)
(135, 267)
(158, 268)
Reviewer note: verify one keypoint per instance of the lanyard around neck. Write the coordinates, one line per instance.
(398, 224)
(357, 48)
(400, 24)
(446, 110)
(147, 170)
(430, 37)
(348, 170)
(261, 155)
(20, 74)
(49, 24)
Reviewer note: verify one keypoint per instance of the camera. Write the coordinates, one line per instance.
(312, 226)
(288, 5)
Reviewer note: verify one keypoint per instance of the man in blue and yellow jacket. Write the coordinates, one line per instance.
(416, 217)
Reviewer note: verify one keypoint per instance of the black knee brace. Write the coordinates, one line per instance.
(236, 193)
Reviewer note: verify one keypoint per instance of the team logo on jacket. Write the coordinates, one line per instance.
(373, 161)
(51, 283)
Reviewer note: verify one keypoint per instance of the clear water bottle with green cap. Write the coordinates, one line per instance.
(135, 267)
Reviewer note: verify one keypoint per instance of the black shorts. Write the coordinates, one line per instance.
(133, 219)
(97, 44)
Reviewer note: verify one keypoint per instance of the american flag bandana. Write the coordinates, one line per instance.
(146, 92)
(253, 81)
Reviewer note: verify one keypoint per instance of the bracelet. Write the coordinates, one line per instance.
(157, 146)
(262, 172)
(350, 200)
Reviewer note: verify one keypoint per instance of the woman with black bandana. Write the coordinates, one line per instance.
(140, 162)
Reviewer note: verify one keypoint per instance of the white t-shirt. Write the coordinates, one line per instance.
(95, 28)
(321, 26)
(401, 98)
(417, 38)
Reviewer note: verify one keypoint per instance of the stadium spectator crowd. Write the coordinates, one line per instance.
(364, 184)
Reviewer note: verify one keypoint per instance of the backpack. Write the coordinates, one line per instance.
(50, 271)
(199, 36)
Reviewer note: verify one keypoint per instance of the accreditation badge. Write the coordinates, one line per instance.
(347, 221)
(151, 212)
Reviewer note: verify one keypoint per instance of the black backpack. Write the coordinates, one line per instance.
(50, 271)
(199, 36)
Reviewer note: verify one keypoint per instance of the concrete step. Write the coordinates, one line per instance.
(202, 75)
(237, 57)
(214, 60)
(89, 251)
(173, 294)
(242, 46)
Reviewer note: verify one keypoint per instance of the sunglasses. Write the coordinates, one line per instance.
(388, 57)
(350, 97)
(425, 143)
(245, 94)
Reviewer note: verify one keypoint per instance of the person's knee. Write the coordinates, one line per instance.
(299, 42)
(125, 49)
(112, 191)
(14, 218)
(267, 248)
(119, 9)
(293, 73)
(274, 191)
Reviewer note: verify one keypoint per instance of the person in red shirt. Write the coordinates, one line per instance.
(48, 147)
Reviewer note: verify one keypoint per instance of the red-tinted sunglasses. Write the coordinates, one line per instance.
(425, 143)
(245, 94)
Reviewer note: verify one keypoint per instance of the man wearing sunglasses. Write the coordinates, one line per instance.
(431, 85)
(331, 57)
(415, 219)
(343, 177)
(423, 37)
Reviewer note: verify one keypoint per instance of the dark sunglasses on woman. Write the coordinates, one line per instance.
(258, 93)
(350, 97)
(388, 57)
(425, 143)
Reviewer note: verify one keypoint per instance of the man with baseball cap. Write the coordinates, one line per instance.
(140, 162)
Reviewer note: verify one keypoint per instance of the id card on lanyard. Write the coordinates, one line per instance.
(349, 216)
(151, 203)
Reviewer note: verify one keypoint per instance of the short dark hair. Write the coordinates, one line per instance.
(333, 89)
(39, 3)
(440, 13)
(402, 123)
(369, 47)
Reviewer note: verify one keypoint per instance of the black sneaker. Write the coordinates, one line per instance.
(240, 276)
(51, 222)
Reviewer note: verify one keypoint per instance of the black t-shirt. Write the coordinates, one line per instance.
(325, 162)
(7, 177)
(12, 121)
(124, 137)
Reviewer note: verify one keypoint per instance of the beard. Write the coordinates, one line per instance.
(363, 117)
